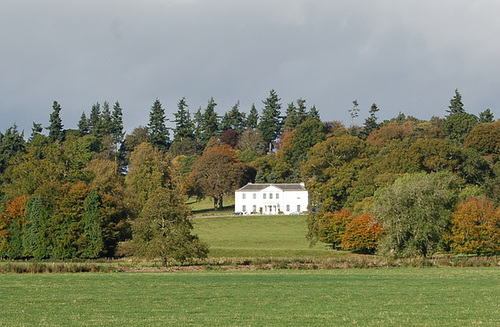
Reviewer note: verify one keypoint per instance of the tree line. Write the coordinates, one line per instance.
(403, 186)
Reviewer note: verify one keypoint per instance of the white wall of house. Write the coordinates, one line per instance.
(271, 199)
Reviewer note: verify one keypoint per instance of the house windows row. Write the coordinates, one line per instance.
(276, 196)
(244, 208)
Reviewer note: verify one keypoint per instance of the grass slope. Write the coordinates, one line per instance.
(352, 297)
(258, 236)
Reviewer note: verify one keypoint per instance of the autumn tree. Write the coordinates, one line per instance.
(332, 226)
(11, 225)
(217, 173)
(475, 227)
(485, 138)
(163, 229)
(362, 234)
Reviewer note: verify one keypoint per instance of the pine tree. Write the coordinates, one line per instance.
(271, 122)
(233, 119)
(36, 238)
(486, 117)
(56, 132)
(370, 123)
(313, 114)
(95, 119)
(184, 126)
(106, 127)
(158, 132)
(456, 105)
(209, 123)
(252, 118)
(117, 123)
(92, 240)
(84, 124)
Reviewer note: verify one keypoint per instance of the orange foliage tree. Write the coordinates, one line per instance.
(332, 225)
(475, 227)
(362, 234)
(11, 224)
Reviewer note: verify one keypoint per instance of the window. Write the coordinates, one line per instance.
(264, 196)
(254, 208)
(244, 208)
(255, 195)
(287, 207)
(270, 195)
(277, 195)
(244, 196)
(298, 207)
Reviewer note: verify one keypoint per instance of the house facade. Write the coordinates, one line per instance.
(271, 199)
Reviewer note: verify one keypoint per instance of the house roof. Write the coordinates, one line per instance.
(284, 187)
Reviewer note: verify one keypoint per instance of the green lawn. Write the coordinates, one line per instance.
(347, 297)
(259, 236)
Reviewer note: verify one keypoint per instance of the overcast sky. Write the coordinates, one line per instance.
(405, 56)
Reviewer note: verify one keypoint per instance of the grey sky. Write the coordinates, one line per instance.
(405, 56)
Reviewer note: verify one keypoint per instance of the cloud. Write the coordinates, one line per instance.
(405, 56)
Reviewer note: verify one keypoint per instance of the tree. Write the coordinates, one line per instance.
(459, 125)
(456, 105)
(486, 117)
(56, 132)
(91, 240)
(184, 126)
(475, 227)
(209, 123)
(11, 144)
(230, 137)
(270, 120)
(117, 123)
(484, 138)
(36, 236)
(252, 118)
(354, 111)
(362, 234)
(148, 171)
(414, 211)
(252, 140)
(84, 124)
(158, 132)
(217, 172)
(370, 123)
(95, 118)
(11, 225)
(233, 119)
(332, 226)
(163, 229)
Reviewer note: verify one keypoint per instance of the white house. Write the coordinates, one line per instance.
(271, 199)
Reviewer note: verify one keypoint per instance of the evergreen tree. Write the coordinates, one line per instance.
(209, 123)
(271, 122)
(370, 122)
(11, 144)
(84, 124)
(95, 119)
(456, 105)
(354, 111)
(233, 119)
(184, 126)
(106, 127)
(252, 118)
(486, 117)
(35, 130)
(36, 239)
(117, 123)
(291, 118)
(92, 240)
(56, 132)
(158, 132)
(314, 114)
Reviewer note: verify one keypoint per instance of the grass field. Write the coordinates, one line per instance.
(350, 297)
(259, 236)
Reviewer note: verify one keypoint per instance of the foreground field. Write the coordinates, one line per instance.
(353, 297)
(259, 236)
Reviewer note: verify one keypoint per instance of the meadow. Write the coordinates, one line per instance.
(346, 297)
